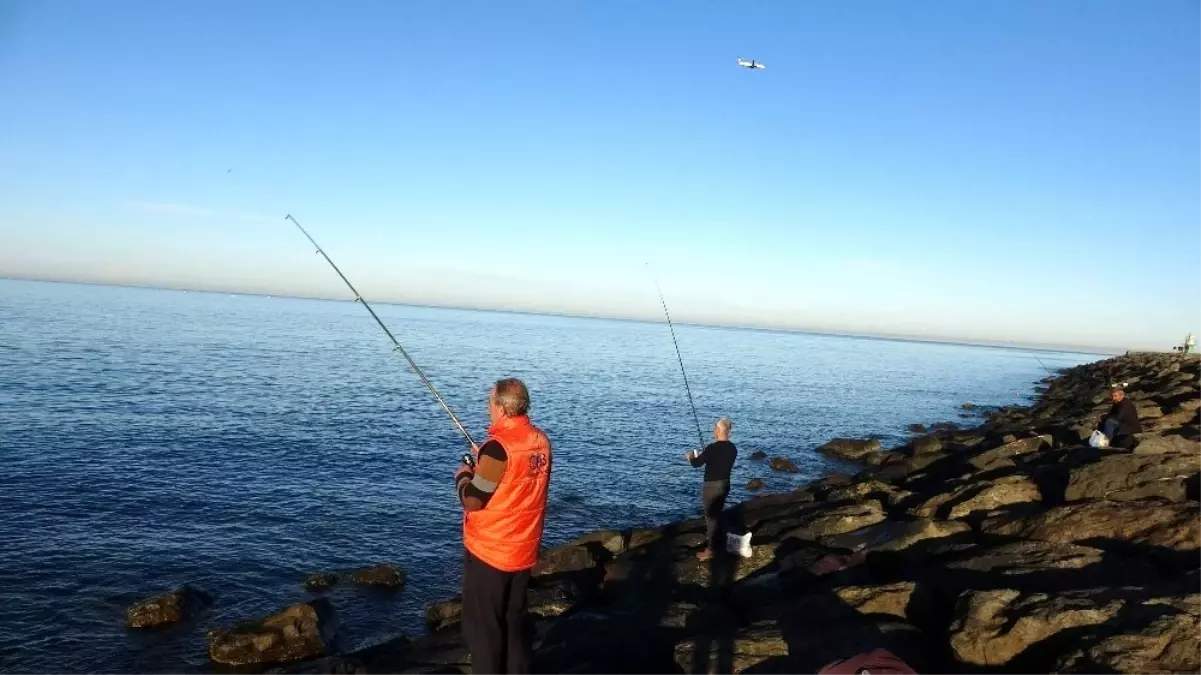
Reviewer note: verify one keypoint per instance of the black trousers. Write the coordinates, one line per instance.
(494, 622)
(713, 501)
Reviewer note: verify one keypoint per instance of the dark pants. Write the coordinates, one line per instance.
(713, 500)
(494, 618)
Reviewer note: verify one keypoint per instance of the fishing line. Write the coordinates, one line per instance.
(359, 299)
(699, 435)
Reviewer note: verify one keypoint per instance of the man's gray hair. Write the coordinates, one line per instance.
(725, 424)
(512, 396)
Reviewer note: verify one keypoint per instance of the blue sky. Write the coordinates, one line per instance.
(1021, 171)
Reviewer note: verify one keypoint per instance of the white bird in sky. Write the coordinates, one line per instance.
(752, 64)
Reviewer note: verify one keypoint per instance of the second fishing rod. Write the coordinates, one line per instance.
(467, 458)
(700, 436)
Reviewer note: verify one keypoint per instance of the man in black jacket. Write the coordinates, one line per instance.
(718, 460)
(1121, 423)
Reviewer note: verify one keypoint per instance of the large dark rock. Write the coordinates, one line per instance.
(979, 496)
(319, 581)
(1163, 526)
(167, 608)
(781, 464)
(917, 428)
(385, 575)
(733, 651)
(1169, 444)
(850, 448)
(1044, 566)
(1130, 477)
(610, 540)
(565, 559)
(905, 600)
(302, 631)
(1002, 457)
(868, 488)
(991, 628)
(758, 454)
(1161, 635)
(838, 520)
(926, 445)
(894, 536)
(754, 484)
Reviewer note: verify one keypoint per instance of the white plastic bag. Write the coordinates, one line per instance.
(1098, 440)
(739, 544)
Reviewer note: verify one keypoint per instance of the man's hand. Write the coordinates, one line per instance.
(690, 455)
(464, 470)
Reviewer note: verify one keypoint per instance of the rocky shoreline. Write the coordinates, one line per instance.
(1012, 546)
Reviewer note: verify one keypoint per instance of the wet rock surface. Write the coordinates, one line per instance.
(385, 575)
(167, 609)
(302, 631)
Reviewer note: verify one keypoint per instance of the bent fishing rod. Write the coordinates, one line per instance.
(699, 435)
(398, 348)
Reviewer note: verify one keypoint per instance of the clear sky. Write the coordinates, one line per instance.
(1021, 171)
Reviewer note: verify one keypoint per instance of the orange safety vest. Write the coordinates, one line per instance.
(507, 533)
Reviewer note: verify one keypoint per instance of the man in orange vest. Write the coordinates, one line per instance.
(504, 508)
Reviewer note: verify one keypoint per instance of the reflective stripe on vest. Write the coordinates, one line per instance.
(507, 533)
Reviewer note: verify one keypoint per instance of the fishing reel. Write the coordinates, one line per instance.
(469, 460)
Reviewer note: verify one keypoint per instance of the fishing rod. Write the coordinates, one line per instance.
(1044, 366)
(699, 435)
(359, 299)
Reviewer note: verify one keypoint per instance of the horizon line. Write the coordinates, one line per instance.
(1092, 350)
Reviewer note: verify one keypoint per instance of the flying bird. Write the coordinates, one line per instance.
(752, 64)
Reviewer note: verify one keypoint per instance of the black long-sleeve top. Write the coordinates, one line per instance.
(1124, 412)
(718, 460)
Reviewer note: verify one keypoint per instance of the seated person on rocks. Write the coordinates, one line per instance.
(1121, 423)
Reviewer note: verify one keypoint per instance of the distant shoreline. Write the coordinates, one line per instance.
(1050, 349)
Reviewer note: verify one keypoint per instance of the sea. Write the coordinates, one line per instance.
(153, 438)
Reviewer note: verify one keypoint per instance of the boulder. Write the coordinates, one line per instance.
(754, 484)
(302, 631)
(969, 406)
(385, 575)
(1130, 477)
(1147, 410)
(866, 488)
(1170, 421)
(838, 520)
(1192, 401)
(440, 615)
(926, 445)
(944, 427)
(320, 581)
(1023, 557)
(893, 536)
(167, 608)
(781, 464)
(563, 559)
(1043, 566)
(992, 627)
(758, 454)
(896, 599)
(1146, 523)
(550, 600)
(612, 541)
(732, 651)
(1164, 445)
(979, 496)
(1003, 456)
(917, 428)
(329, 665)
(1165, 638)
(850, 448)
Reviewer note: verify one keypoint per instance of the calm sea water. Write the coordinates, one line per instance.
(153, 438)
